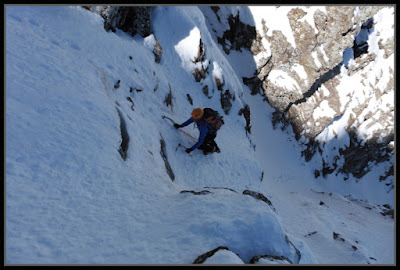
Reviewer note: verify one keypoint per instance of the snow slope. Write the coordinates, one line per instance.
(72, 199)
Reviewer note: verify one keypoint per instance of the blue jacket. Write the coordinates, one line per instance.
(203, 126)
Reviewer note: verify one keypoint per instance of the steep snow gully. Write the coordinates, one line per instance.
(102, 181)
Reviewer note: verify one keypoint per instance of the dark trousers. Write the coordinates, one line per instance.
(208, 146)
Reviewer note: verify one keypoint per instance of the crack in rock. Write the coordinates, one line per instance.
(259, 196)
(165, 158)
(123, 148)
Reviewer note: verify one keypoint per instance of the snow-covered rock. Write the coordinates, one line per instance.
(306, 74)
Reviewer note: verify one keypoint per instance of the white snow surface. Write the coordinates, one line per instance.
(71, 199)
(282, 79)
(275, 17)
(324, 110)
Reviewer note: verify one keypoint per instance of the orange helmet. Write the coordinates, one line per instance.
(197, 113)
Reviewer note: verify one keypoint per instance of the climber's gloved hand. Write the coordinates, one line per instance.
(177, 126)
(188, 150)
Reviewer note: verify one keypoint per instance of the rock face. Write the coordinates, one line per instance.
(347, 126)
(133, 20)
(239, 35)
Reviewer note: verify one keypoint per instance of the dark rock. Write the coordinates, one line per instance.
(190, 99)
(254, 83)
(223, 188)
(246, 114)
(226, 101)
(199, 74)
(357, 157)
(168, 98)
(202, 258)
(133, 104)
(133, 20)
(216, 9)
(156, 87)
(201, 53)
(389, 212)
(311, 233)
(338, 237)
(219, 83)
(239, 35)
(298, 253)
(123, 148)
(258, 196)
(157, 51)
(116, 85)
(203, 192)
(165, 158)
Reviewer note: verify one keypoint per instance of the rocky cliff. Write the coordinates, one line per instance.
(331, 81)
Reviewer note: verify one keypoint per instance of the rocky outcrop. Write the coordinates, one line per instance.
(315, 53)
(304, 81)
(226, 98)
(245, 111)
(163, 154)
(239, 35)
(259, 196)
(208, 254)
(131, 19)
(203, 192)
(123, 148)
(157, 51)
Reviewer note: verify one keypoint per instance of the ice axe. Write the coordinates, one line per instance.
(166, 117)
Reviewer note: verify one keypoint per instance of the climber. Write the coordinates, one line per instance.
(208, 121)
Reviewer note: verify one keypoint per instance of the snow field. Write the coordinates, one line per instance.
(72, 199)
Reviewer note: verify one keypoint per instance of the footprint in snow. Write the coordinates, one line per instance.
(33, 22)
(74, 46)
(55, 42)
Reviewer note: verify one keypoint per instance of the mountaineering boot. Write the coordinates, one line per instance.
(212, 150)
